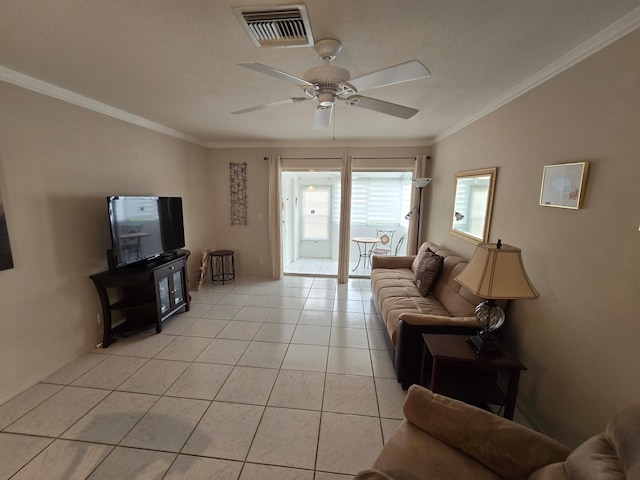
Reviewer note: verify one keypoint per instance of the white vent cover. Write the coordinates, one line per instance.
(278, 26)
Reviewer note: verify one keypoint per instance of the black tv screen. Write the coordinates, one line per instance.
(144, 227)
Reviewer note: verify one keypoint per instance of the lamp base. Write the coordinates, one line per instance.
(485, 344)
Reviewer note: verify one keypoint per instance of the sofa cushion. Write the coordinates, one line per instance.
(391, 261)
(391, 310)
(429, 305)
(458, 300)
(393, 280)
(427, 271)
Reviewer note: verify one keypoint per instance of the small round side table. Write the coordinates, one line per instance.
(222, 264)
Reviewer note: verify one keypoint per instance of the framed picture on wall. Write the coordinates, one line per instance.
(563, 185)
(6, 259)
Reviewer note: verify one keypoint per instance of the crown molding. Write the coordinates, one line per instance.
(328, 143)
(35, 85)
(600, 40)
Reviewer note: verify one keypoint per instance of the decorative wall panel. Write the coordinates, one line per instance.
(238, 192)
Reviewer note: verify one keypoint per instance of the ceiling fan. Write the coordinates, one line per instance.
(327, 83)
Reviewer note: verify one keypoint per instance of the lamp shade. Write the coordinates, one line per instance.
(496, 272)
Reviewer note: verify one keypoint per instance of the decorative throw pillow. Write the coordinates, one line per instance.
(428, 271)
(423, 248)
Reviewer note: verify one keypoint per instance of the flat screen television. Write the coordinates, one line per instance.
(143, 227)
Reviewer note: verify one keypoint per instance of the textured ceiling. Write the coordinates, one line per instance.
(175, 62)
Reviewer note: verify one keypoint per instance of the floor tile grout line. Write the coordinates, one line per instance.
(365, 327)
(74, 386)
(324, 392)
(375, 389)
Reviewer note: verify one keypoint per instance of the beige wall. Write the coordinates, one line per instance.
(58, 162)
(580, 338)
(251, 242)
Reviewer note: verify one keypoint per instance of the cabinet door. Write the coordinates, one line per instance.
(164, 297)
(170, 287)
(178, 291)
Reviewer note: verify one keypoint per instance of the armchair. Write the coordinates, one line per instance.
(442, 438)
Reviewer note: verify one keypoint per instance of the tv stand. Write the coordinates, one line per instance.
(145, 295)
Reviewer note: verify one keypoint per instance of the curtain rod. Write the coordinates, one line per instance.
(342, 158)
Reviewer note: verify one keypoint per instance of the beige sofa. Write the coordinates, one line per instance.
(442, 438)
(448, 307)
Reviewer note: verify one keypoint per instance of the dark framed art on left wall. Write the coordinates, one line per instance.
(6, 259)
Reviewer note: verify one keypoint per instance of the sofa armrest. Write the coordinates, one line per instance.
(391, 261)
(439, 320)
(508, 449)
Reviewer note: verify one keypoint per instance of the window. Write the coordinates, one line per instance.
(379, 198)
(316, 201)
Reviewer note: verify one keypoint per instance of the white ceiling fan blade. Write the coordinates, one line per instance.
(381, 106)
(404, 72)
(272, 104)
(323, 117)
(258, 67)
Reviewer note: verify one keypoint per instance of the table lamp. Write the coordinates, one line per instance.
(496, 273)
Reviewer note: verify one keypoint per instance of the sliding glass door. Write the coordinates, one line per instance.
(377, 194)
(379, 203)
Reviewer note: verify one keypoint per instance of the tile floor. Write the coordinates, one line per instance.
(323, 266)
(261, 379)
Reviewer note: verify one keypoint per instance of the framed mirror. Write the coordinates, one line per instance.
(472, 204)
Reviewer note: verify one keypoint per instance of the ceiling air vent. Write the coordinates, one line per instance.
(280, 26)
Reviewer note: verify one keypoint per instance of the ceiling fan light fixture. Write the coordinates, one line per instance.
(326, 99)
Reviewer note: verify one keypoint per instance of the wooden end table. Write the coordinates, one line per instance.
(451, 367)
